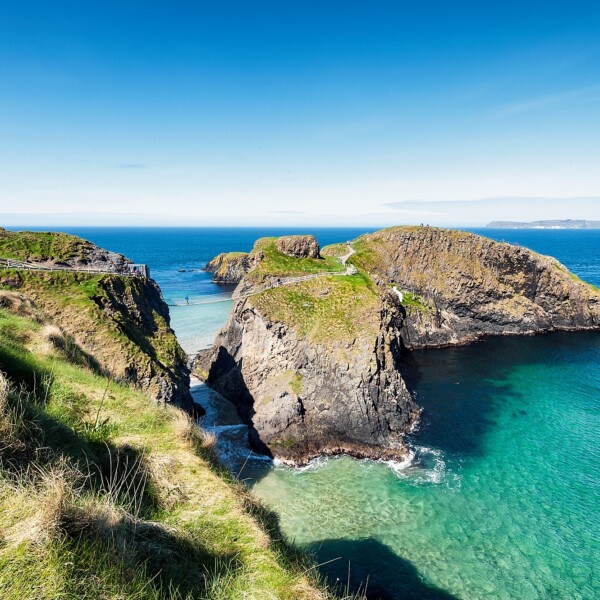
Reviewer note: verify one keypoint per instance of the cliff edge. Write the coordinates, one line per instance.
(122, 322)
(312, 353)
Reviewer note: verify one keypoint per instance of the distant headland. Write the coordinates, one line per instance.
(564, 224)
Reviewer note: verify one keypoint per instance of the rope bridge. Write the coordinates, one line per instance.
(226, 297)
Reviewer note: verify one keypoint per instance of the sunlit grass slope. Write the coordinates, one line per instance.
(104, 494)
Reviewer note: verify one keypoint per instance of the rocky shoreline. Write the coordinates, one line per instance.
(315, 368)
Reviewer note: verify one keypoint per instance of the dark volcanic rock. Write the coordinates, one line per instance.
(300, 246)
(303, 398)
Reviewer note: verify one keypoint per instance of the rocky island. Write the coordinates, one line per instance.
(312, 355)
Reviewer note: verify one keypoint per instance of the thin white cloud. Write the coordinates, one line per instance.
(589, 93)
(130, 166)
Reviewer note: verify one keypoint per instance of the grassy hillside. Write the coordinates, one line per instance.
(41, 246)
(106, 495)
(121, 321)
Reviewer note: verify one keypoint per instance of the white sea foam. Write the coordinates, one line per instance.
(422, 465)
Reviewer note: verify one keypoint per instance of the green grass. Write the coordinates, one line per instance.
(325, 309)
(76, 301)
(277, 264)
(296, 380)
(414, 301)
(104, 494)
(41, 246)
(365, 258)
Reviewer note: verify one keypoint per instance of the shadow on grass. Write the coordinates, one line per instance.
(170, 563)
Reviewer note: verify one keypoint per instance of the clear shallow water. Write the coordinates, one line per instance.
(501, 497)
(501, 500)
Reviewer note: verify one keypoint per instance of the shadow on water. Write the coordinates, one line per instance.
(356, 565)
(464, 389)
(461, 391)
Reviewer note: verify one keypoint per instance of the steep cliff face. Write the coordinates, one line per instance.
(315, 371)
(122, 322)
(457, 286)
(313, 365)
(229, 267)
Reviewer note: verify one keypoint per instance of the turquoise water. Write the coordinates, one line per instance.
(501, 496)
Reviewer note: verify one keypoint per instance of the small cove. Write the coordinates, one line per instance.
(501, 497)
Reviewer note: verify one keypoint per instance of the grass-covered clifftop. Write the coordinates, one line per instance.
(41, 246)
(104, 494)
(271, 262)
(121, 321)
(325, 308)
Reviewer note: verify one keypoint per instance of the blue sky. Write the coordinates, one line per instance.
(305, 112)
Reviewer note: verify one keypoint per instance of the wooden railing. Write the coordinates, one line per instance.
(11, 263)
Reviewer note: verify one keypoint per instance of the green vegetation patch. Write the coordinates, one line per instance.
(325, 309)
(296, 380)
(277, 264)
(41, 246)
(104, 494)
(335, 250)
(366, 257)
(414, 301)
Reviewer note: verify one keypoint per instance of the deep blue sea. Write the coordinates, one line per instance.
(501, 497)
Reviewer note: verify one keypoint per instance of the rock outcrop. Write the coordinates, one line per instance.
(122, 322)
(458, 286)
(229, 267)
(314, 364)
(300, 246)
(326, 388)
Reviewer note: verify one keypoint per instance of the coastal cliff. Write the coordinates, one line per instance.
(457, 286)
(103, 493)
(312, 353)
(121, 322)
(229, 267)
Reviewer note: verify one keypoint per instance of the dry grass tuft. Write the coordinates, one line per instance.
(186, 430)
(52, 338)
(50, 494)
(19, 304)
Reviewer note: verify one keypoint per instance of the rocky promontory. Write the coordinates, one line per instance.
(229, 267)
(456, 287)
(312, 355)
(121, 322)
